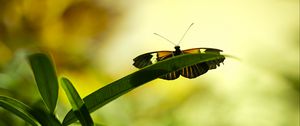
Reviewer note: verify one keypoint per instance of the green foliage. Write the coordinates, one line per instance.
(18, 108)
(42, 114)
(77, 103)
(112, 91)
(46, 80)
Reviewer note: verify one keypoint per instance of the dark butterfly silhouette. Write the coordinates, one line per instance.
(190, 72)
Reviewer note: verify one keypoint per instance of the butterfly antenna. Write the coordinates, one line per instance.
(164, 38)
(185, 33)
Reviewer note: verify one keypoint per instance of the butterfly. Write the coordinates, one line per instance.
(190, 72)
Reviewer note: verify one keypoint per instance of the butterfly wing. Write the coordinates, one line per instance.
(151, 58)
(171, 76)
(201, 68)
(201, 50)
(194, 70)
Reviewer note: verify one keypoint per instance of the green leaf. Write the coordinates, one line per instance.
(78, 124)
(77, 103)
(42, 114)
(114, 90)
(46, 79)
(18, 108)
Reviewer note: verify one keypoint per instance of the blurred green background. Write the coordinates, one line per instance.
(93, 43)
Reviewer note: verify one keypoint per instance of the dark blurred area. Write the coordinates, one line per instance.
(68, 30)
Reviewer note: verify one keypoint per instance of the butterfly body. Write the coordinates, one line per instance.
(190, 72)
(177, 51)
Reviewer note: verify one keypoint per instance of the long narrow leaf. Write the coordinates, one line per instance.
(112, 91)
(19, 109)
(46, 79)
(42, 114)
(77, 103)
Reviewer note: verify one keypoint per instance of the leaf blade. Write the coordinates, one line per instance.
(78, 106)
(46, 79)
(42, 114)
(115, 89)
(18, 108)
